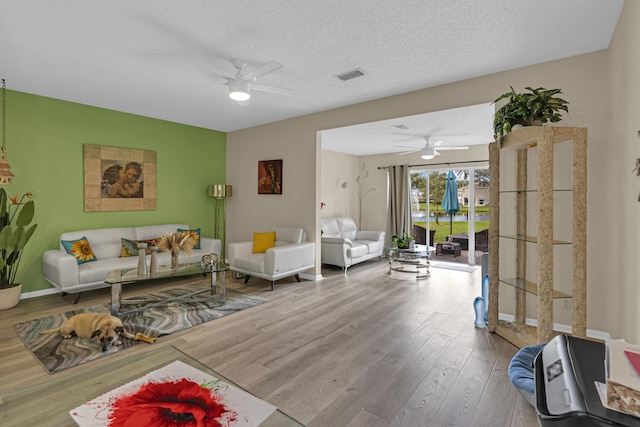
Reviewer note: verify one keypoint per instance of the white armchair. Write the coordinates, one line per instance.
(290, 256)
(344, 245)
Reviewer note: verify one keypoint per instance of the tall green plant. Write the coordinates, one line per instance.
(15, 216)
(526, 109)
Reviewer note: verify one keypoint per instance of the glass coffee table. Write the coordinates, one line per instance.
(49, 403)
(414, 260)
(118, 278)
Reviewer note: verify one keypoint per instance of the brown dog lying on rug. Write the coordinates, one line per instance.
(103, 326)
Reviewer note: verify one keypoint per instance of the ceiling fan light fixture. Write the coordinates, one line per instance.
(428, 153)
(239, 90)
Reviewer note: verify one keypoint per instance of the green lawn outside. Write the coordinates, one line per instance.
(480, 210)
(442, 230)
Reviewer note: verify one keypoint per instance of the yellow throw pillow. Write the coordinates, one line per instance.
(263, 241)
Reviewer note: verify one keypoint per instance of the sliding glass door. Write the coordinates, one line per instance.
(427, 193)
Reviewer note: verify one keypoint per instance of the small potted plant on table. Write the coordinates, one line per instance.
(403, 241)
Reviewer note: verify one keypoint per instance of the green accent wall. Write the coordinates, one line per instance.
(45, 138)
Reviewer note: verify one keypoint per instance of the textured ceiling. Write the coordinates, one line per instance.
(135, 56)
(455, 128)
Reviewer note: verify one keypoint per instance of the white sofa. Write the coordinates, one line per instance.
(63, 271)
(290, 256)
(344, 245)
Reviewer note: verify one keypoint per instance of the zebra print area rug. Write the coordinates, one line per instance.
(56, 354)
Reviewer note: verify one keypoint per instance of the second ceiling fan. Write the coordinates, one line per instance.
(428, 151)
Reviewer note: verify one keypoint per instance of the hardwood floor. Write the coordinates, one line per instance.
(365, 349)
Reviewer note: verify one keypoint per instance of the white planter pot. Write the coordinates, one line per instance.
(10, 297)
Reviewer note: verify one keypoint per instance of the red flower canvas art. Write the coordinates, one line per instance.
(175, 395)
(172, 403)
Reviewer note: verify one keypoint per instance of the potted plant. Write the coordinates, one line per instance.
(15, 216)
(538, 106)
(403, 241)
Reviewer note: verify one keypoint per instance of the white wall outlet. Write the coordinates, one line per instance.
(566, 304)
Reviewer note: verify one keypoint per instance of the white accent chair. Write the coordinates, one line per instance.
(291, 256)
(344, 245)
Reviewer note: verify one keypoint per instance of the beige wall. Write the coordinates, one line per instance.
(583, 80)
(337, 168)
(619, 210)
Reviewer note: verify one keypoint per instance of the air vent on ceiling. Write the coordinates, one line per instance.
(350, 74)
(401, 127)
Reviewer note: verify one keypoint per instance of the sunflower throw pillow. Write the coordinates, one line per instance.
(195, 235)
(130, 247)
(80, 249)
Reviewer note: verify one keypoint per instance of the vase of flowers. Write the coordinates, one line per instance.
(175, 243)
(15, 216)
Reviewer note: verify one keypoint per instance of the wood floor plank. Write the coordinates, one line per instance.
(365, 349)
(459, 405)
(419, 408)
(498, 398)
(523, 414)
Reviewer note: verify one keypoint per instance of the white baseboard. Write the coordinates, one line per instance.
(311, 276)
(40, 293)
(565, 329)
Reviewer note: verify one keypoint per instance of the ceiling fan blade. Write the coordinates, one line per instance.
(453, 148)
(408, 152)
(274, 89)
(267, 68)
(213, 68)
(408, 146)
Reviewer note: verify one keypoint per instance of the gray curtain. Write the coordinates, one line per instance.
(399, 213)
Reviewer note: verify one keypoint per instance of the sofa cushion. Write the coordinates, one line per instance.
(343, 227)
(329, 227)
(263, 241)
(80, 249)
(97, 271)
(288, 234)
(195, 235)
(347, 228)
(357, 250)
(373, 246)
(105, 242)
(153, 231)
(253, 262)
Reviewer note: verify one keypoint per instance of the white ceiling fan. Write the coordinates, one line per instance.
(245, 79)
(429, 150)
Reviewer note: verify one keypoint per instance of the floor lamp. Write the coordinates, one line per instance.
(220, 192)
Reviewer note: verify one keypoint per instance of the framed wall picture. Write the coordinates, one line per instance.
(270, 176)
(119, 179)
